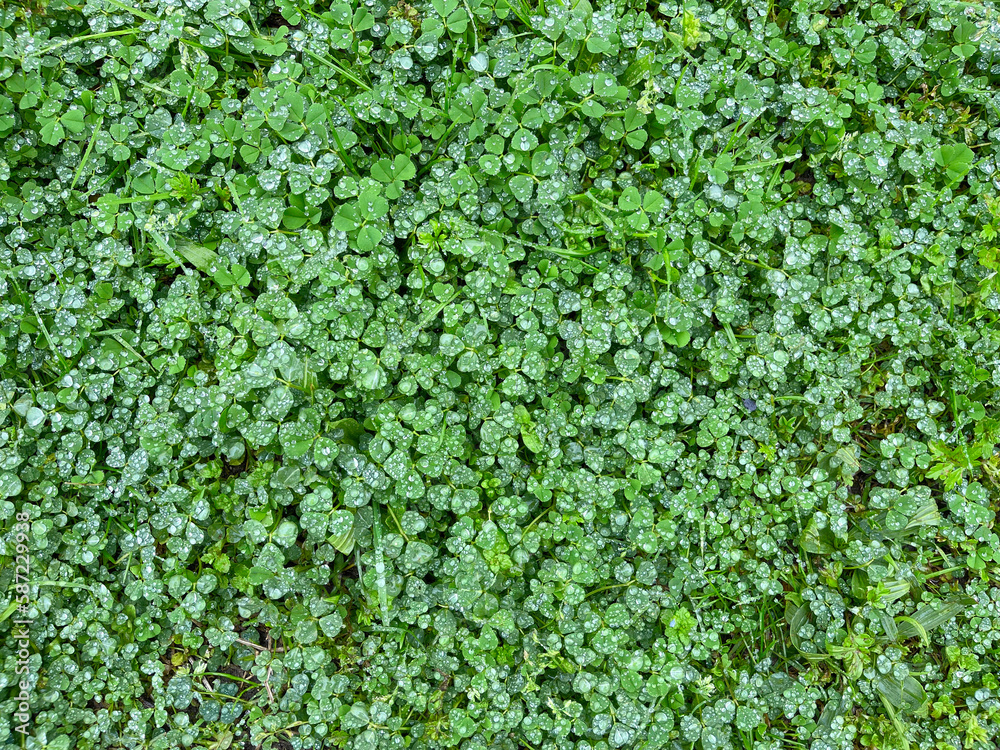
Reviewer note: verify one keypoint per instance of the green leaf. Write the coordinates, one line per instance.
(368, 238)
(199, 256)
(52, 132)
(404, 168)
(816, 541)
(636, 139)
(294, 218)
(652, 202)
(73, 120)
(629, 200)
(342, 528)
(347, 218)
(249, 154)
(956, 159)
(907, 695)
(927, 618)
(351, 429)
(259, 575)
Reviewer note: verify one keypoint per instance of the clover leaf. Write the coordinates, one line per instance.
(637, 209)
(956, 159)
(393, 174)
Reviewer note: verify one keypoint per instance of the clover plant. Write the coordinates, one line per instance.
(564, 375)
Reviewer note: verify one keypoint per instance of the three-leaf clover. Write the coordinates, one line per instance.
(54, 130)
(354, 218)
(638, 208)
(393, 174)
(299, 213)
(956, 160)
(350, 23)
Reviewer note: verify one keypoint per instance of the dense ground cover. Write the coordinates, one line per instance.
(467, 373)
